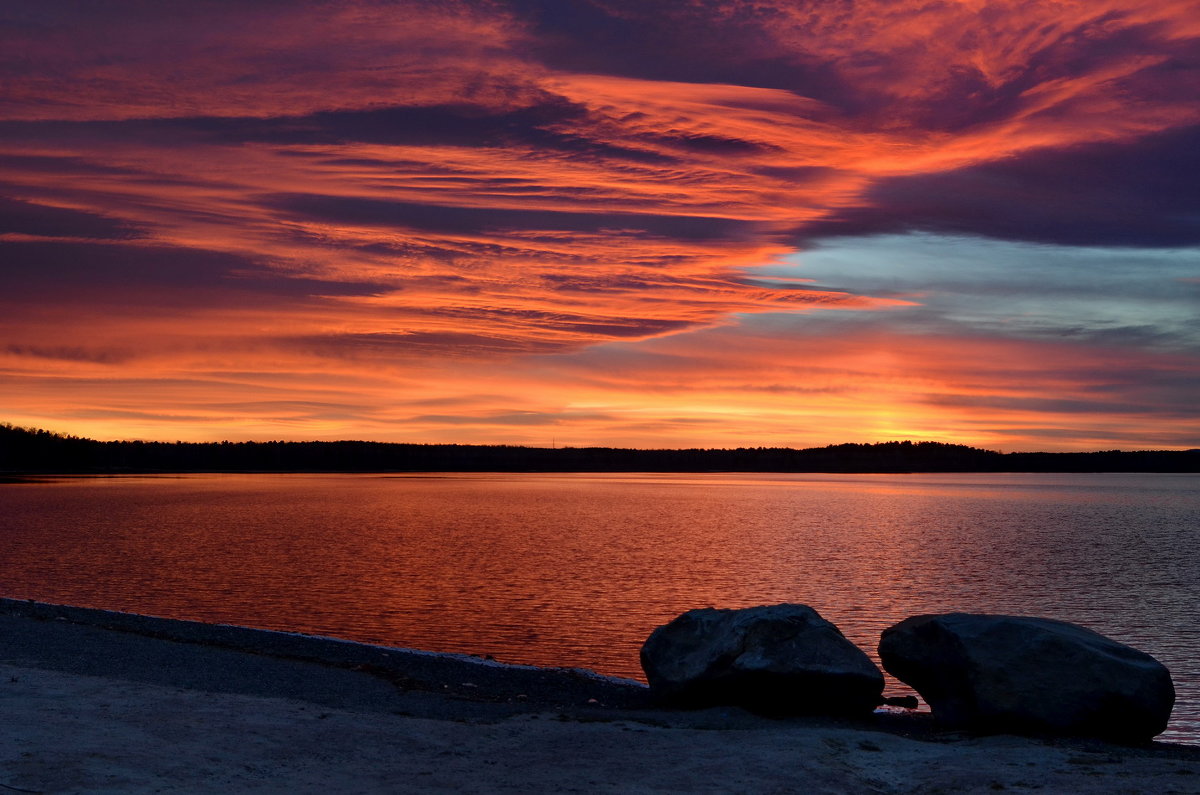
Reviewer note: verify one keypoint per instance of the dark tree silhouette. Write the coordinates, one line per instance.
(24, 450)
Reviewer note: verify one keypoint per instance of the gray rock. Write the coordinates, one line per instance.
(778, 659)
(1029, 676)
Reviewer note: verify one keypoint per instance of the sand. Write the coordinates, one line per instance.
(101, 702)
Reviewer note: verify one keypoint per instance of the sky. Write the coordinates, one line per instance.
(687, 223)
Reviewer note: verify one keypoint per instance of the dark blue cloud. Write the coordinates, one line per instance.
(28, 218)
(714, 41)
(629, 38)
(418, 343)
(499, 331)
(549, 122)
(70, 353)
(583, 325)
(709, 144)
(64, 165)
(1121, 390)
(116, 273)
(458, 219)
(1143, 194)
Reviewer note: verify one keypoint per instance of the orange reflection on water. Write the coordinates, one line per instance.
(577, 569)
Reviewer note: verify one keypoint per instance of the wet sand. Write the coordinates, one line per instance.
(92, 701)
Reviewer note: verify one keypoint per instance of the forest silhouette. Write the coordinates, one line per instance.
(30, 451)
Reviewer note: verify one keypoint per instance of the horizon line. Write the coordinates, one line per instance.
(557, 447)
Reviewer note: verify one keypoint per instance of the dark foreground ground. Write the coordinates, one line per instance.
(92, 701)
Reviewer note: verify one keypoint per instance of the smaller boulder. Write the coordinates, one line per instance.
(1029, 676)
(777, 659)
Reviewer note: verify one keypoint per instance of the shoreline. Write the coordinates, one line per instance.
(412, 670)
(95, 701)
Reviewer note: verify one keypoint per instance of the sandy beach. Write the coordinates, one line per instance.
(104, 702)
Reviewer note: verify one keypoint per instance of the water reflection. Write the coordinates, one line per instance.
(577, 569)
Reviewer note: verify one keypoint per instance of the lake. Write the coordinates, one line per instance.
(577, 569)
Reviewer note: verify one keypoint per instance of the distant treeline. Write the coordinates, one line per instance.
(32, 451)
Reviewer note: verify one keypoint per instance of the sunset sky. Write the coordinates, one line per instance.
(713, 223)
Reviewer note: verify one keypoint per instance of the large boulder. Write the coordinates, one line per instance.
(1029, 676)
(779, 659)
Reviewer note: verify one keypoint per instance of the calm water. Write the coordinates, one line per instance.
(576, 570)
